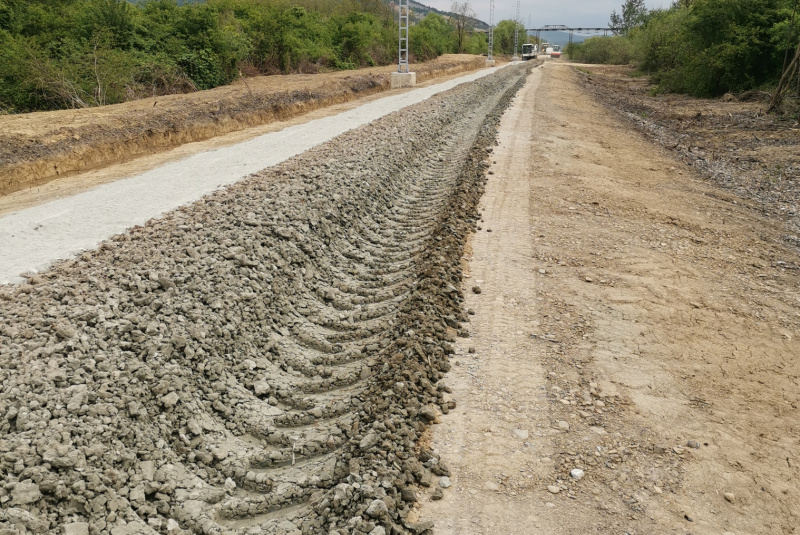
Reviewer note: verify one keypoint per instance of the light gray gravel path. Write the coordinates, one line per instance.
(32, 239)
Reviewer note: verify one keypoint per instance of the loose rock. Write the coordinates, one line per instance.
(241, 355)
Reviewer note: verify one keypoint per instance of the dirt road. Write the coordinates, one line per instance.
(633, 323)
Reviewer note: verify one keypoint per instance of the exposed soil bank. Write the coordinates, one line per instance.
(38, 147)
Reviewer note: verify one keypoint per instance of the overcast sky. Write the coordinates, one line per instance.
(572, 13)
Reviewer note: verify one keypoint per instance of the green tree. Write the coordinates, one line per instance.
(476, 43)
(74, 53)
(633, 14)
(504, 36)
(360, 39)
(614, 50)
(111, 19)
(432, 37)
(734, 52)
(462, 18)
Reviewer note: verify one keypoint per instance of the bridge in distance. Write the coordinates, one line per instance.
(563, 28)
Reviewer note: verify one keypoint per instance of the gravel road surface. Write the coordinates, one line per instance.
(32, 239)
(262, 360)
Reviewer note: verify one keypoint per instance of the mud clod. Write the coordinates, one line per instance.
(261, 361)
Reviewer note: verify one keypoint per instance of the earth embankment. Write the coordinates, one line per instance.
(38, 147)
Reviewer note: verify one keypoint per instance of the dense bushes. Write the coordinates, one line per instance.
(616, 50)
(705, 47)
(77, 53)
(504, 37)
(433, 36)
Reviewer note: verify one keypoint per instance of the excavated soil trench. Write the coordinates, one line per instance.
(263, 360)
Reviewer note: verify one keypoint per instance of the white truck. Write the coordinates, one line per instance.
(529, 51)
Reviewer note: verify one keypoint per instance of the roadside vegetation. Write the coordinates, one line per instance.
(701, 47)
(57, 54)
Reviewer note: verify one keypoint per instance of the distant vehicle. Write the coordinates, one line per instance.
(529, 51)
(555, 52)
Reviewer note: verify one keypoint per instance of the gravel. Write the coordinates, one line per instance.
(263, 360)
(34, 238)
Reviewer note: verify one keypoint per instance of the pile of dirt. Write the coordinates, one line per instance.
(732, 141)
(38, 147)
(263, 360)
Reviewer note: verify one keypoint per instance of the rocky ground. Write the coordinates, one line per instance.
(263, 360)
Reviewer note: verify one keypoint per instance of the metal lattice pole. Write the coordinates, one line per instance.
(402, 63)
(491, 30)
(516, 33)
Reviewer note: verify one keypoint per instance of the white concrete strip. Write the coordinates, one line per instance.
(32, 239)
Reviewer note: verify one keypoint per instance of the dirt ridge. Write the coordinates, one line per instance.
(40, 147)
(261, 361)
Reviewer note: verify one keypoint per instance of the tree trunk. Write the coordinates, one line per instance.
(786, 80)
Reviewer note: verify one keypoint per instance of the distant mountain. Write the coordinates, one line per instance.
(418, 12)
(561, 38)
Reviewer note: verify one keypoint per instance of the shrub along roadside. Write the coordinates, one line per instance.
(705, 47)
(79, 53)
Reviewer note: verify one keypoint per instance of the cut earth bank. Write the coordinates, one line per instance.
(36, 148)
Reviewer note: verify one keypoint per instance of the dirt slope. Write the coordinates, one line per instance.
(38, 147)
(634, 322)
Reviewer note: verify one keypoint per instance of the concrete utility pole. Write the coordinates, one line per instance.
(402, 78)
(516, 33)
(490, 58)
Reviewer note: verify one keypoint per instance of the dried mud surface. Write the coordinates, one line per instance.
(731, 141)
(263, 360)
(631, 365)
(38, 147)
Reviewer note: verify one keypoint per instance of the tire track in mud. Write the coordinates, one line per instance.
(263, 360)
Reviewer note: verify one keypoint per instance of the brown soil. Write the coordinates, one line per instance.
(635, 320)
(732, 141)
(39, 147)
